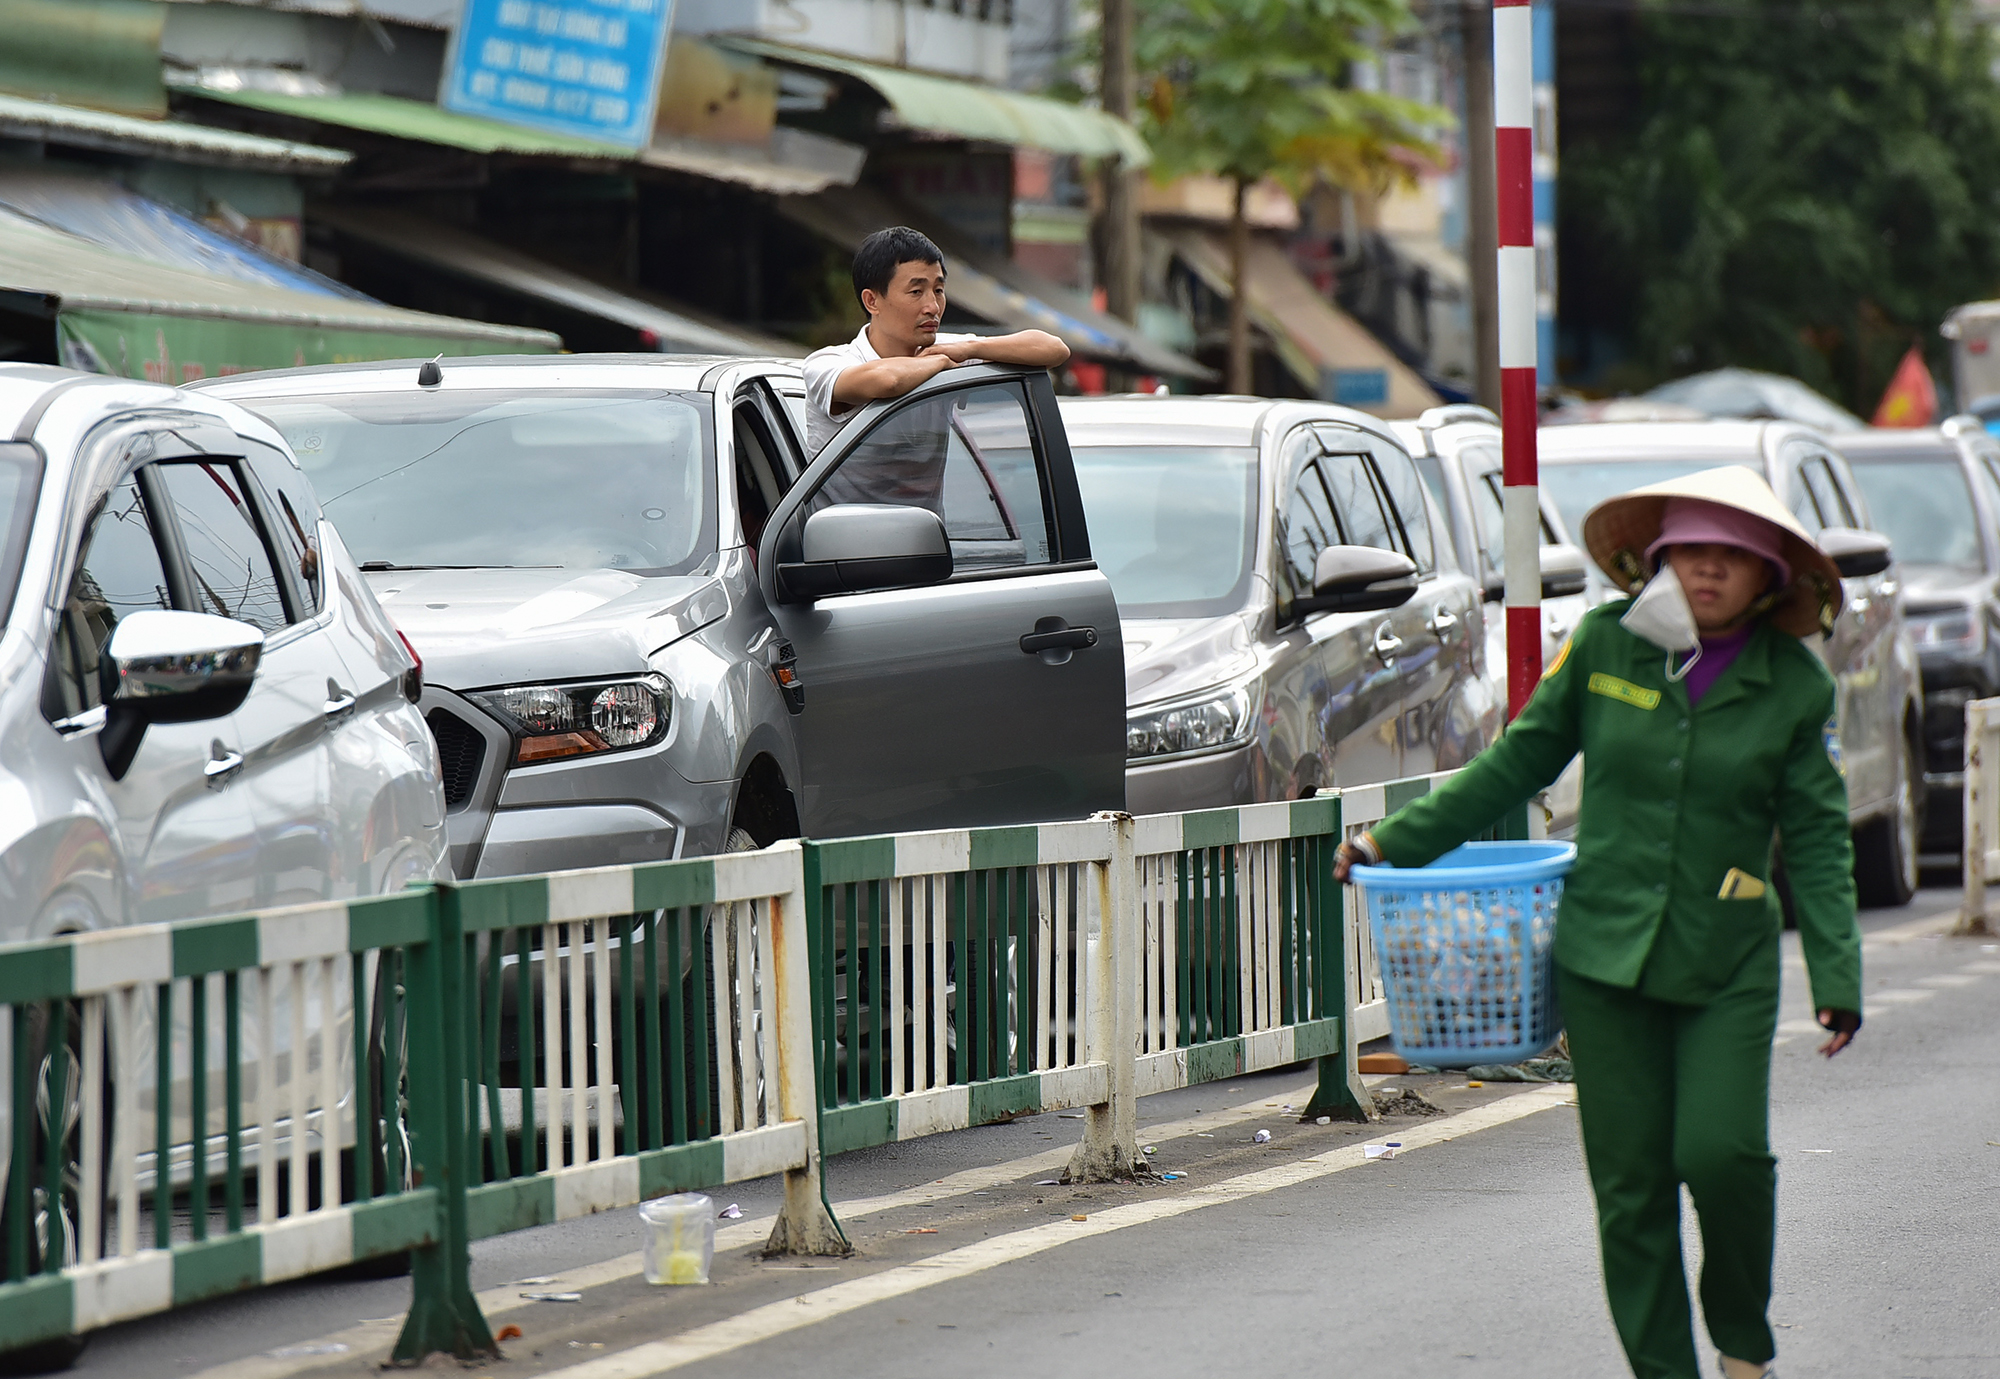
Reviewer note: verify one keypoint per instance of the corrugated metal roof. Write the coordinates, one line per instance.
(942, 105)
(76, 127)
(79, 275)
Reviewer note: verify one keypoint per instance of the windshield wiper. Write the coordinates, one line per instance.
(382, 566)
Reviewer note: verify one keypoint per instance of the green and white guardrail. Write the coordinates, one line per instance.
(200, 1108)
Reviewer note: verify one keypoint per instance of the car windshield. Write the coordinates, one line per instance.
(20, 480)
(570, 480)
(1925, 509)
(1578, 486)
(1171, 525)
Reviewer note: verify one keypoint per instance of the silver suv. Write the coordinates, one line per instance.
(652, 629)
(1294, 614)
(203, 709)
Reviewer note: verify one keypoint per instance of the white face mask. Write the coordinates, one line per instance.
(1661, 615)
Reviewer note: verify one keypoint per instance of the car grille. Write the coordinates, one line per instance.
(461, 750)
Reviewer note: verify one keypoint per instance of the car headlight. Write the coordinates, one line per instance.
(1206, 725)
(1956, 629)
(551, 721)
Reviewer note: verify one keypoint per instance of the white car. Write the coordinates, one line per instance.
(203, 710)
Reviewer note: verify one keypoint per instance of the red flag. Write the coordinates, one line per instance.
(1911, 398)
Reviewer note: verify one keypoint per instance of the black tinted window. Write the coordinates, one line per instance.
(1357, 504)
(120, 573)
(1406, 493)
(229, 567)
(1309, 528)
(294, 522)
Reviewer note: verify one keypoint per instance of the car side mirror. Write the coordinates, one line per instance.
(1358, 579)
(171, 667)
(1564, 571)
(852, 548)
(1856, 554)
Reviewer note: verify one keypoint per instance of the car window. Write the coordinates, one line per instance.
(229, 566)
(759, 482)
(1826, 500)
(970, 457)
(1404, 489)
(1310, 527)
(120, 572)
(1924, 506)
(1357, 504)
(294, 522)
(1846, 496)
(1172, 526)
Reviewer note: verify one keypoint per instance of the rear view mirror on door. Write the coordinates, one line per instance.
(172, 667)
(1856, 554)
(1358, 579)
(851, 548)
(1563, 571)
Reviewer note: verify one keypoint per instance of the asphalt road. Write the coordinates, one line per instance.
(1471, 1252)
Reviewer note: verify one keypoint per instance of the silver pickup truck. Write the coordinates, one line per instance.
(653, 627)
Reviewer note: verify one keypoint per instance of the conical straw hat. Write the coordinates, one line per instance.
(1618, 530)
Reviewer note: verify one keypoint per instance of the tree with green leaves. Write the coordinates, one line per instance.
(1250, 89)
(1804, 187)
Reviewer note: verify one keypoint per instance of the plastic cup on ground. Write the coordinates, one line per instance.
(680, 1238)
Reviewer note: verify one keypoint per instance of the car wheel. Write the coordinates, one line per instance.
(1885, 849)
(56, 1224)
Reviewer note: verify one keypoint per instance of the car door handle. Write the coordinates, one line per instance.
(1387, 644)
(339, 702)
(1442, 623)
(221, 766)
(1058, 637)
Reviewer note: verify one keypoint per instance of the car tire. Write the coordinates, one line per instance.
(1885, 849)
(62, 1352)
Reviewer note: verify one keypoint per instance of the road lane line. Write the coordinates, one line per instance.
(1949, 979)
(653, 1358)
(1899, 995)
(493, 1302)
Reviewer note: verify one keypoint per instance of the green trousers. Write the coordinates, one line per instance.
(1671, 1094)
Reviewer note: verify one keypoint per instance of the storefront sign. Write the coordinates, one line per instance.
(586, 68)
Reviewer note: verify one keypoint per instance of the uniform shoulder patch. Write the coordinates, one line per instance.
(1829, 737)
(1561, 656)
(1624, 691)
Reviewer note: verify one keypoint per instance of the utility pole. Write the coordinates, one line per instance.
(1476, 33)
(1118, 232)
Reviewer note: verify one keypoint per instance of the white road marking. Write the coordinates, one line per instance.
(1899, 995)
(791, 1314)
(1985, 967)
(1949, 979)
(1799, 1027)
(493, 1302)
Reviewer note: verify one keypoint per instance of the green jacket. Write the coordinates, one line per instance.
(1673, 798)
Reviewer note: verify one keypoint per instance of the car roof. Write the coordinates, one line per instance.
(1726, 440)
(27, 389)
(676, 372)
(1224, 419)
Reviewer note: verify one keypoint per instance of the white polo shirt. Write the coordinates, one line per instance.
(823, 369)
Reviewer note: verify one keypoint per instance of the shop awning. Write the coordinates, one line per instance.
(1326, 348)
(115, 314)
(467, 255)
(117, 218)
(942, 105)
(794, 161)
(72, 126)
(988, 285)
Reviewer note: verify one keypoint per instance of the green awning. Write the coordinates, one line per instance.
(120, 315)
(399, 118)
(941, 105)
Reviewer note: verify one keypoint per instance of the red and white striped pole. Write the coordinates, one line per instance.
(1514, 157)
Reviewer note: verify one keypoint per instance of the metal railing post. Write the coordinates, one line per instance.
(443, 1313)
(1972, 913)
(1340, 1093)
(1110, 1147)
(805, 1223)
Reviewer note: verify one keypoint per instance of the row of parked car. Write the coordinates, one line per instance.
(315, 633)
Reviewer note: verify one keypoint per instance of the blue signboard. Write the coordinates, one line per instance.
(587, 68)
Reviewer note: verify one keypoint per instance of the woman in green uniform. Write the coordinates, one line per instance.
(1707, 731)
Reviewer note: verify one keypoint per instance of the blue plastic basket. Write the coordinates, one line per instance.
(1466, 947)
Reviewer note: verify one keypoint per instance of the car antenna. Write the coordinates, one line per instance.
(429, 374)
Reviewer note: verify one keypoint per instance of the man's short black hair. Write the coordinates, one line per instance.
(875, 261)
